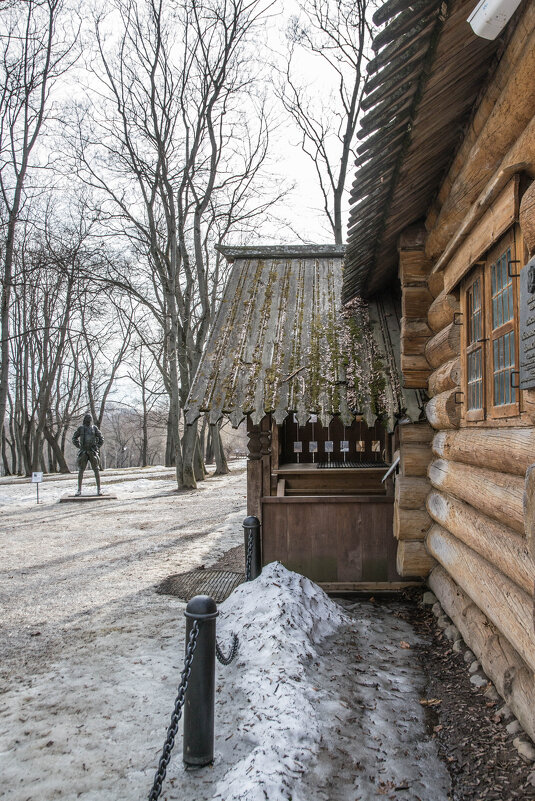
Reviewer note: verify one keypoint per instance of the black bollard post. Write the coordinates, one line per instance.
(253, 548)
(200, 695)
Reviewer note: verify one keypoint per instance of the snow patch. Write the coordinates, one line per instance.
(280, 618)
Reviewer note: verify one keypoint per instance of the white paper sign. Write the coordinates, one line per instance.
(37, 478)
(313, 418)
(312, 446)
(329, 446)
(344, 446)
(298, 447)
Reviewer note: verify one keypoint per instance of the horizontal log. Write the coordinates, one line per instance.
(500, 599)
(529, 514)
(415, 301)
(414, 335)
(411, 524)
(414, 459)
(411, 492)
(442, 311)
(435, 284)
(509, 450)
(444, 346)
(414, 362)
(526, 218)
(501, 662)
(498, 544)
(414, 267)
(443, 411)
(415, 432)
(497, 495)
(445, 377)
(492, 225)
(412, 559)
(416, 379)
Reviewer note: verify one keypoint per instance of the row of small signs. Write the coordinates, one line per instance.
(329, 446)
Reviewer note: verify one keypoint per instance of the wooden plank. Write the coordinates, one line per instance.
(416, 379)
(492, 225)
(414, 267)
(501, 662)
(310, 501)
(366, 586)
(411, 524)
(281, 488)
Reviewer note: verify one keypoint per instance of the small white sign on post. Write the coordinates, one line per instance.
(37, 479)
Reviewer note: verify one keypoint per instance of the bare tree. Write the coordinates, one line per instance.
(336, 31)
(173, 151)
(36, 48)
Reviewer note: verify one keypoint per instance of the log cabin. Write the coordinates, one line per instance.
(430, 364)
(443, 207)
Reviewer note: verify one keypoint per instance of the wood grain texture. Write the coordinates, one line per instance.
(414, 459)
(444, 410)
(497, 543)
(413, 560)
(501, 662)
(411, 524)
(500, 599)
(509, 450)
(411, 492)
(526, 218)
(444, 346)
(497, 495)
(445, 377)
(442, 311)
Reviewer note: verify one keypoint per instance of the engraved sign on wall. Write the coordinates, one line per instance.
(527, 326)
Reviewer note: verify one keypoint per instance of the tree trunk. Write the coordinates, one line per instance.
(444, 411)
(56, 450)
(221, 466)
(445, 377)
(189, 441)
(442, 311)
(444, 346)
(412, 559)
(209, 447)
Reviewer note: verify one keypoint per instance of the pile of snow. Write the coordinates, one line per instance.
(280, 618)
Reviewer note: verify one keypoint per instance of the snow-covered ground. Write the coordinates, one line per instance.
(321, 702)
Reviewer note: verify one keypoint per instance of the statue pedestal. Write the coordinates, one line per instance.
(85, 498)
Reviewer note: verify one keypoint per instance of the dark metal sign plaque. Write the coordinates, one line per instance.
(527, 326)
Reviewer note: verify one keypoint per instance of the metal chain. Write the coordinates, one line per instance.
(249, 557)
(177, 714)
(226, 660)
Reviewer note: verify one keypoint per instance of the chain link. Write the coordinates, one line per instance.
(249, 557)
(226, 660)
(177, 714)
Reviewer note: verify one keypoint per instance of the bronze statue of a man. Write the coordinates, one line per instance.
(88, 439)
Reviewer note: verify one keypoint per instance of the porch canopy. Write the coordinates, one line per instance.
(281, 343)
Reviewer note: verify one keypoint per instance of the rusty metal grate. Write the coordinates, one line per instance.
(218, 584)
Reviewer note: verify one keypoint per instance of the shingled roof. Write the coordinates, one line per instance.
(421, 89)
(279, 344)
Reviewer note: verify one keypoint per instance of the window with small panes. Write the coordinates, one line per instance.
(489, 349)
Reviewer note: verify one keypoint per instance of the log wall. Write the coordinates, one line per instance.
(482, 479)
(411, 518)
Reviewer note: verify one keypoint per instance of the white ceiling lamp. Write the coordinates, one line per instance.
(490, 17)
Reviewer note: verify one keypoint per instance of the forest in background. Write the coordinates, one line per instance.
(135, 137)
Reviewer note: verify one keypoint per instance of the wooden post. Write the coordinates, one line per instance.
(254, 471)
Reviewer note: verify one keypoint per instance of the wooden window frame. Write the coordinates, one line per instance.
(489, 411)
